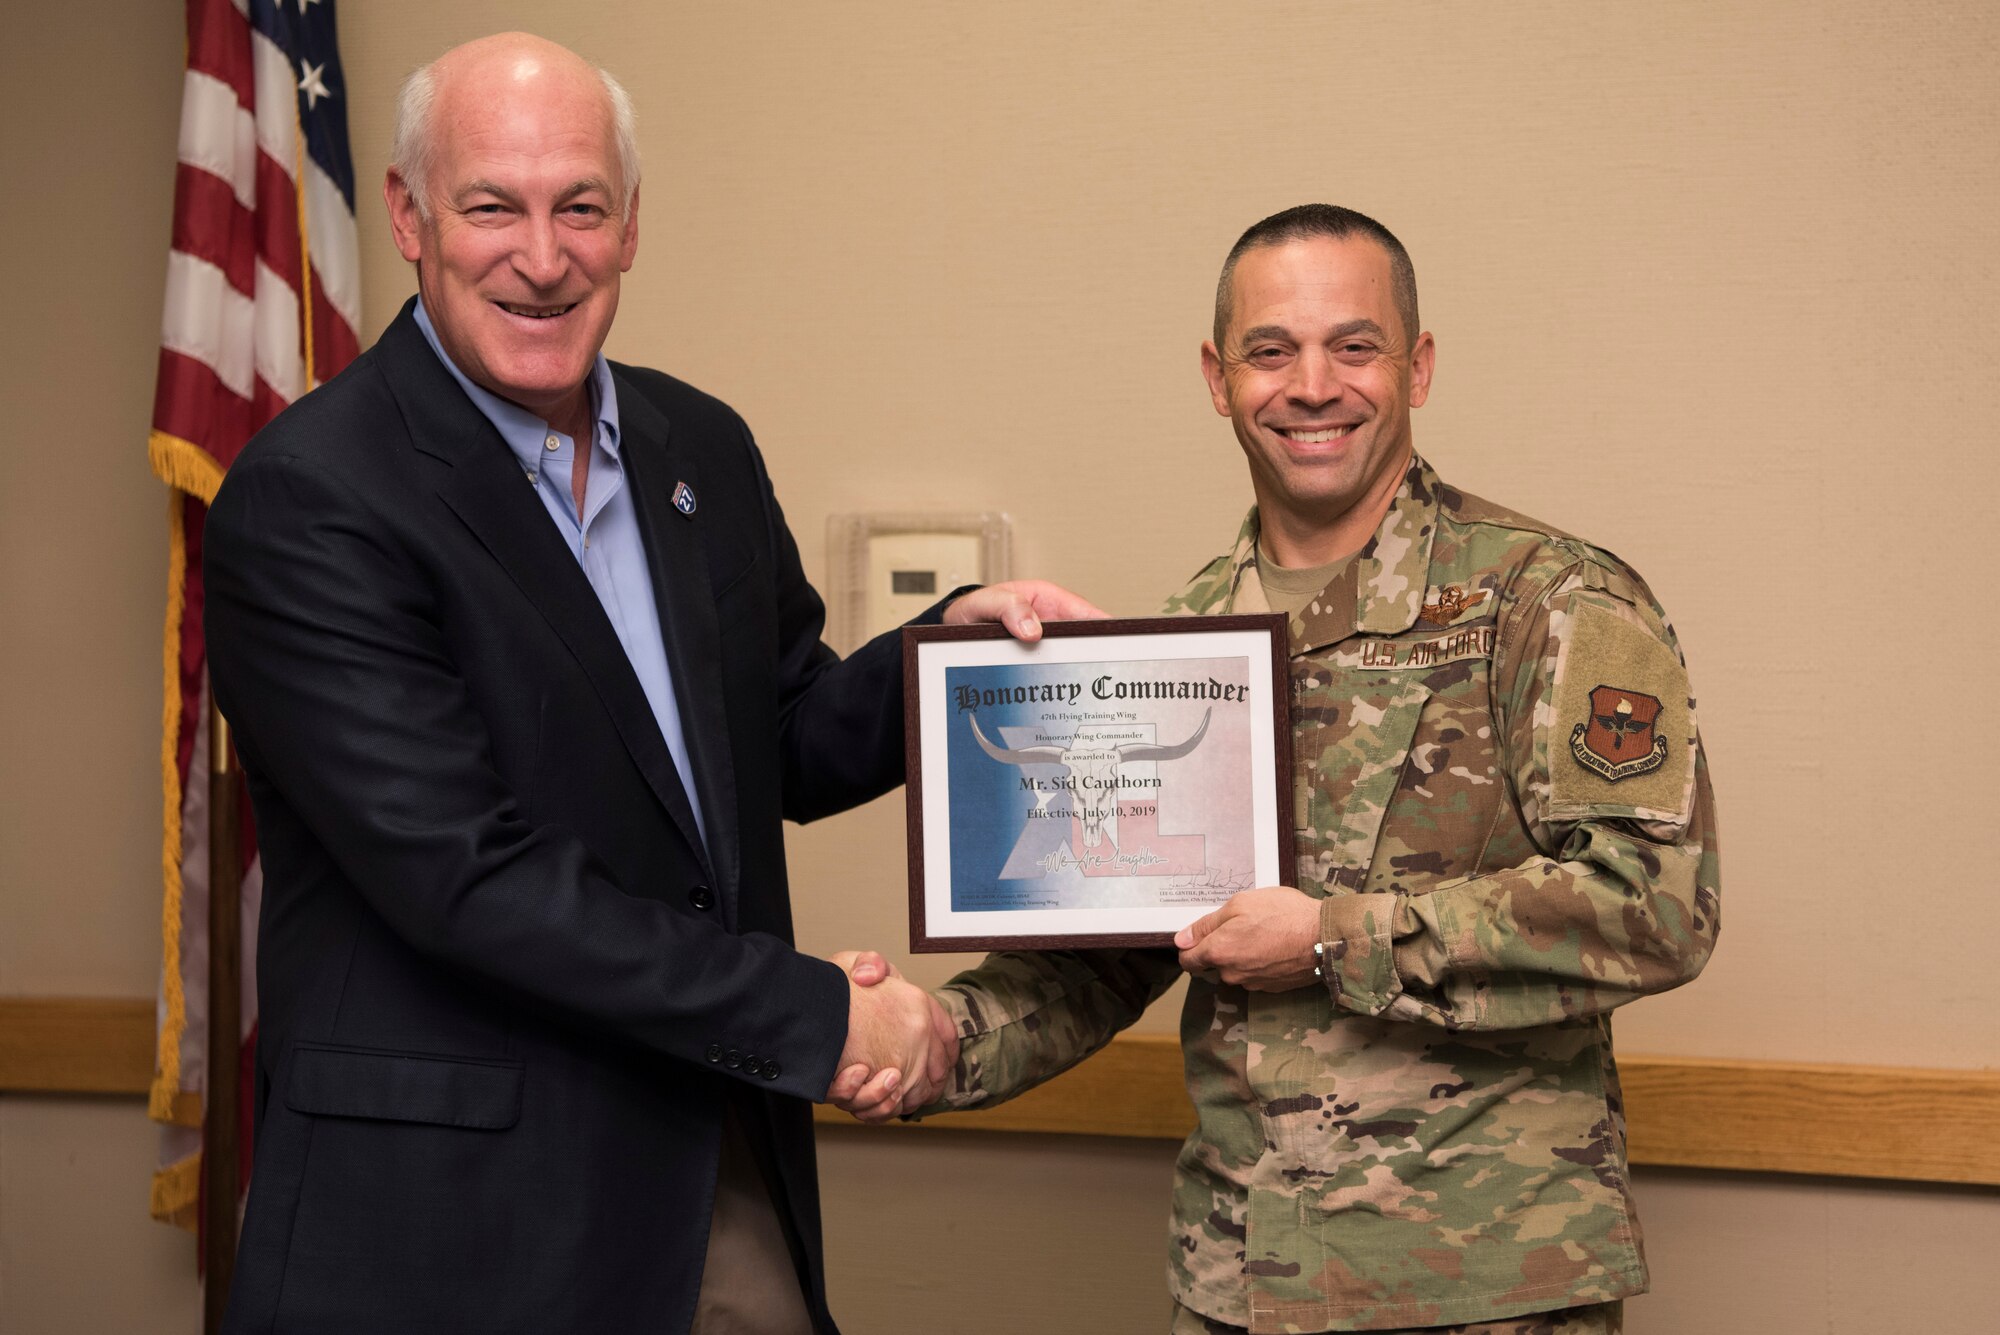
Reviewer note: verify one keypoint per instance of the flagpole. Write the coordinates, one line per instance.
(221, 1176)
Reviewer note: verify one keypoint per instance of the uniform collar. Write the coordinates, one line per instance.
(1379, 592)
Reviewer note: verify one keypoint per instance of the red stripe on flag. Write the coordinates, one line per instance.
(278, 221)
(218, 44)
(191, 402)
(334, 343)
(265, 403)
(211, 224)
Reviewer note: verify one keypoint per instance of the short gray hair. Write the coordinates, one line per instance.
(413, 151)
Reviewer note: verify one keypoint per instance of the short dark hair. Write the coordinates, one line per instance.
(1329, 220)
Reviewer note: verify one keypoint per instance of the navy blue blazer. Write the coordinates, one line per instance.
(504, 993)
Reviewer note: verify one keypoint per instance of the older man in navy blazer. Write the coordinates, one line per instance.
(525, 676)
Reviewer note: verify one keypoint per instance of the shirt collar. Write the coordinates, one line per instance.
(1379, 592)
(522, 430)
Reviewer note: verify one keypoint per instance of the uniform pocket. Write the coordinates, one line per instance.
(1352, 747)
(332, 1081)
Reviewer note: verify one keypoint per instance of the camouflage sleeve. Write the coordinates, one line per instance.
(1599, 740)
(1024, 1017)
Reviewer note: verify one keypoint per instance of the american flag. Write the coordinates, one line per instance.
(263, 302)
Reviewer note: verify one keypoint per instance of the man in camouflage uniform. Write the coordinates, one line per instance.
(1409, 1113)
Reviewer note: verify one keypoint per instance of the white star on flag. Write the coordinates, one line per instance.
(313, 86)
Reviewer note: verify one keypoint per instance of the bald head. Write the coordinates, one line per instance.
(505, 70)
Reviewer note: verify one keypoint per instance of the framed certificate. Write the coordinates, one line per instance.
(1104, 787)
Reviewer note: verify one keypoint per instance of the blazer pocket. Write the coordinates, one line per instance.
(332, 1081)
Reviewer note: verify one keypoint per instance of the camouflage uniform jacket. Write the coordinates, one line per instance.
(1502, 804)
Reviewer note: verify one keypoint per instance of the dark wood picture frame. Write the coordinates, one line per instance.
(1275, 625)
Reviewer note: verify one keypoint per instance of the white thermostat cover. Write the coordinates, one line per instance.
(883, 569)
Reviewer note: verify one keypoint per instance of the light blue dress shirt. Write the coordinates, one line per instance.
(605, 541)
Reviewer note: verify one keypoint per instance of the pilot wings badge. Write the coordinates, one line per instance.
(1451, 604)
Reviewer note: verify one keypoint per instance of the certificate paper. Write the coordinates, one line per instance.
(1104, 787)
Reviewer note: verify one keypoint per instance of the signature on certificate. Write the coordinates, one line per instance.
(1213, 878)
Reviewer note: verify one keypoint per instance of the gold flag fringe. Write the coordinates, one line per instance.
(167, 1053)
(177, 1193)
(177, 1187)
(187, 466)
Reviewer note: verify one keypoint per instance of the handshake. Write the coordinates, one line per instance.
(901, 1046)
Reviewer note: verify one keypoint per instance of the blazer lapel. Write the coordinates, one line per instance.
(681, 590)
(488, 492)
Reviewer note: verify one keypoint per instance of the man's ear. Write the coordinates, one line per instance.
(1423, 360)
(629, 245)
(405, 223)
(1211, 371)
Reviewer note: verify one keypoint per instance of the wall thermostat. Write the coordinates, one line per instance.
(884, 569)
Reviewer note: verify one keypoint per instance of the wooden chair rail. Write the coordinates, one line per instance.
(1685, 1112)
(75, 1045)
(1779, 1117)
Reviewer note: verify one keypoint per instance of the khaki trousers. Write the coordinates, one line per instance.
(750, 1284)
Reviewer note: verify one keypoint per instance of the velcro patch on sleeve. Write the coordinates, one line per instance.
(1623, 737)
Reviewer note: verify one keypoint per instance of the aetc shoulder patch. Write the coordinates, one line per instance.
(1619, 740)
(1624, 733)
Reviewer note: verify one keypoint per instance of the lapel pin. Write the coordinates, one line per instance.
(684, 498)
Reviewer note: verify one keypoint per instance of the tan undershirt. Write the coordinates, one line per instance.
(1289, 591)
(749, 1285)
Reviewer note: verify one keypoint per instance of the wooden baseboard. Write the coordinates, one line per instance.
(1686, 1112)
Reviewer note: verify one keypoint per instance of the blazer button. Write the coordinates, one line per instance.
(751, 1066)
(771, 1071)
(715, 1052)
(702, 898)
(732, 1058)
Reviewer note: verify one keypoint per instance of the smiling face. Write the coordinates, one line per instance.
(528, 228)
(1318, 376)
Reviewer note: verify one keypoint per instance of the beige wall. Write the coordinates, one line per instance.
(1712, 283)
(88, 114)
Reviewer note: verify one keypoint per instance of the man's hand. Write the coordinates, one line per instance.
(1021, 605)
(869, 1090)
(1261, 939)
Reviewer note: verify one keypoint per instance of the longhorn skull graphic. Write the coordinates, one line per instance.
(1094, 768)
